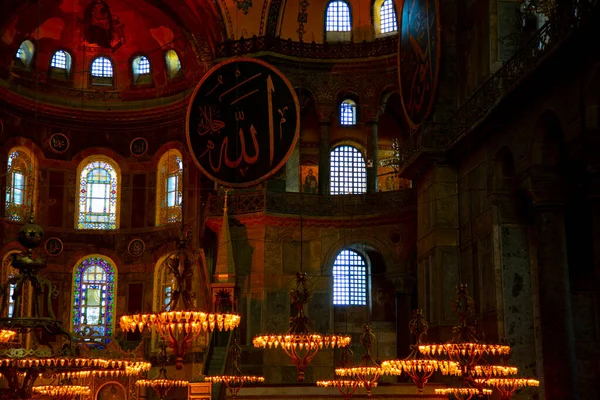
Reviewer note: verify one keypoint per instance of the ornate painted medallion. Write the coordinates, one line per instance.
(243, 122)
(419, 50)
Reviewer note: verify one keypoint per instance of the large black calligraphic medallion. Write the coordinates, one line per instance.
(419, 50)
(243, 122)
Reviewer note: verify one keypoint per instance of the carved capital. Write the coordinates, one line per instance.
(371, 113)
(593, 181)
(545, 186)
(325, 113)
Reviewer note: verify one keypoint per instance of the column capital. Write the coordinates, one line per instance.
(545, 186)
(325, 113)
(371, 113)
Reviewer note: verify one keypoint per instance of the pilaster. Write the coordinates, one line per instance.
(325, 114)
(549, 250)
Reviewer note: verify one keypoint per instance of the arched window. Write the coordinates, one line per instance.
(99, 181)
(348, 112)
(20, 185)
(173, 64)
(349, 279)
(8, 272)
(164, 283)
(94, 289)
(348, 171)
(170, 188)
(387, 17)
(25, 54)
(141, 70)
(338, 17)
(61, 60)
(102, 72)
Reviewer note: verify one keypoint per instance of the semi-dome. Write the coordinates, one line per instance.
(106, 50)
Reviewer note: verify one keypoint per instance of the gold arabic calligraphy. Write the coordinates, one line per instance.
(210, 123)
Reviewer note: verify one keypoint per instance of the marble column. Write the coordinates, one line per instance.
(371, 115)
(556, 317)
(325, 114)
(372, 156)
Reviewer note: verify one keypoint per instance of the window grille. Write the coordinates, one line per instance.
(387, 17)
(349, 279)
(348, 171)
(337, 17)
(348, 112)
(102, 68)
(59, 60)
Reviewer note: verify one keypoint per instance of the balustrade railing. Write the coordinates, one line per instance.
(567, 18)
(248, 202)
(257, 44)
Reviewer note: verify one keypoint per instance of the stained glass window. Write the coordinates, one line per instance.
(94, 288)
(98, 195)
(170, 190)
(173, 63)
(348, 112)
(337, 17)
(20, 185)
(349, 279)
(348, 171)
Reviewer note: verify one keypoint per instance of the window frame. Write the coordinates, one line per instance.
(102, 81)
(77, 296)
(354, 107)
(83, 165)
(13, 211)
(166, 214)
(378, 6)
(138, 79)
(27, 62)
(338, 36)
(179, 73)
(366, 275)
(60, 73)
(160, 276)
(342, 169)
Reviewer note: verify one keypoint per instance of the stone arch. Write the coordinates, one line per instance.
(548, 140)
(360, 242)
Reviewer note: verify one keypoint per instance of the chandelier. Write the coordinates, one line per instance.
(62, 391)
(298, 343)
(37, 328)
(234, 380)
(472, 355)
(463, 393)
(161, 383)
(180, 323)
(508, 386)
(416, 366)
(465, 348)
(346, 387)
(368, 372)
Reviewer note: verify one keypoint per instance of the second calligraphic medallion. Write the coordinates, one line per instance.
(243, 122)
(419, 51)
